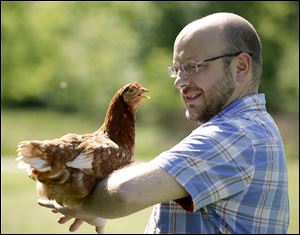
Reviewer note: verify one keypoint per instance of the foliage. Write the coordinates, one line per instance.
(72, 56)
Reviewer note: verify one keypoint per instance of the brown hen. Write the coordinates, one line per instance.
(67, 168)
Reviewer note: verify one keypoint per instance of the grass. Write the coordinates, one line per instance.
(19, 210)
(18, 125)
(21, 214)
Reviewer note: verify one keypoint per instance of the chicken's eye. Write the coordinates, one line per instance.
(131, 91)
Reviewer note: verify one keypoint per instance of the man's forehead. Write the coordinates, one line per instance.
(199, 34)
(196, 44)
(204, 36)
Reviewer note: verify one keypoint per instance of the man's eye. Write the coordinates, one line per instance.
(189, 67)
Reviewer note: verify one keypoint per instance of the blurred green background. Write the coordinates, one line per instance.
(61, 62)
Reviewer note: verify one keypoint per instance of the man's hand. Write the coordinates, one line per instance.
(69, 214)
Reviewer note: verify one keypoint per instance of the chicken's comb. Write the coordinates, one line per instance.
(136, 84)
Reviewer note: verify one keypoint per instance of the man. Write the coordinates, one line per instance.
(230, 174)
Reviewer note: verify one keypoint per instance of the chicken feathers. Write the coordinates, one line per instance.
(67, 168)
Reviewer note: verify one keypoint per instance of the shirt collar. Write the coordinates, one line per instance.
(255, 102)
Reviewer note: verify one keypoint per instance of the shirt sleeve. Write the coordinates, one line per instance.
(212, 163)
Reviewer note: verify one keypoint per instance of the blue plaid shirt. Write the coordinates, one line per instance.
(234, 170)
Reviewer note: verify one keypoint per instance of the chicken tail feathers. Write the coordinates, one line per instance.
(82, 161)
(30, 156)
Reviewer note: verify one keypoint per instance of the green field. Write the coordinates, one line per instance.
(20, 212)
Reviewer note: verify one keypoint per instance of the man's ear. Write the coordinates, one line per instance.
(243, 65)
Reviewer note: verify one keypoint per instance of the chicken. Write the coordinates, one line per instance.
(67, 168)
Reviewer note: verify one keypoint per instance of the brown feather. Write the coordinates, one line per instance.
(67, 168)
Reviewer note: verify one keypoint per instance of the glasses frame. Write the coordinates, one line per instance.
(171, 68)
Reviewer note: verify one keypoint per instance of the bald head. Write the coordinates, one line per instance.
(217, 20)
(221, 33)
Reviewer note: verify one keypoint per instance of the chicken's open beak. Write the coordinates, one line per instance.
(142, 91)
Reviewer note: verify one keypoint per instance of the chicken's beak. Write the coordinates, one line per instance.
(142, 91)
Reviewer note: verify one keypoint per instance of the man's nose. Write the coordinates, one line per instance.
(181, 80)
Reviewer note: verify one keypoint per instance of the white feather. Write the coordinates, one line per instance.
(82, 161)
(23, 166)
(39, 164)
(25, 163)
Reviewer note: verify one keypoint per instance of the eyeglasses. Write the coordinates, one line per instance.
(190, 67)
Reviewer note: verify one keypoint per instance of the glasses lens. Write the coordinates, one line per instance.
(172, 71)
(189, 67)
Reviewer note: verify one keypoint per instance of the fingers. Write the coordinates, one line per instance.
(100, 225)
(56, 208)
(69, 214)
(75, 225)
(99, 229)
(49, 204)
(46, 203)
(99, 222)
(63, 219)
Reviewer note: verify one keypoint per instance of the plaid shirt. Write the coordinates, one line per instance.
(234, 170)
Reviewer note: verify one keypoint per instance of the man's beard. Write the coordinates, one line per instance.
(214, 99)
